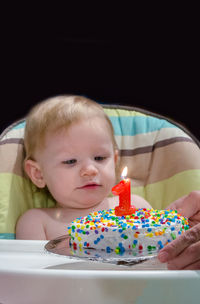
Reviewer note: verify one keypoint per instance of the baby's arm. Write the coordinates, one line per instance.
(30, 226)
(139, 202)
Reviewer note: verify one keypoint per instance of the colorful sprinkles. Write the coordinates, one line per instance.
(146, 229)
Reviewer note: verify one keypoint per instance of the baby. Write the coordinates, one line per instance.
(71, 150)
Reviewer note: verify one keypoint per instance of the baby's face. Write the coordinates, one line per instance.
(78, 165)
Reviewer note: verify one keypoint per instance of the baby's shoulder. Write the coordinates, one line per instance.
(36, 213)
(31, 224)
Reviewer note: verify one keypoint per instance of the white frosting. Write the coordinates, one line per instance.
(146, 230)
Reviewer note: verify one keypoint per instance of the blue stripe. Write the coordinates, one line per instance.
(19, 126)
(133, 125)
(9, 236)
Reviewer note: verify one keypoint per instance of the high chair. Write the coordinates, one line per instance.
(162, 156)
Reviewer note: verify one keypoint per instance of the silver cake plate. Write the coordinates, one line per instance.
(61, 246)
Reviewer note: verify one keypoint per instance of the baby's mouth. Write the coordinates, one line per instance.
(90, 186)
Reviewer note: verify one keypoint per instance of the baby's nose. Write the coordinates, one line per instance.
(89, 170)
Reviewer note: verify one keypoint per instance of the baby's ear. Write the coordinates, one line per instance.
(116, 156)
(34, 172)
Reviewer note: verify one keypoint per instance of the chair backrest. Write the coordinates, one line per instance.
(163, 161)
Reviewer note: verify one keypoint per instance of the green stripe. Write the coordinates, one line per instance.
(120, 112)
(17, 195)
(162, 193)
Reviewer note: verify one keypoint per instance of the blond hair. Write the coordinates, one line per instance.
(56, 113)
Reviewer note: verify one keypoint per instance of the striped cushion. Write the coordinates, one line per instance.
(163, 160)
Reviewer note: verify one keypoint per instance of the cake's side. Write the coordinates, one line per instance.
(145, 230)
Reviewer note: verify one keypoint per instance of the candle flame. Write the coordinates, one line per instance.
(124, 172)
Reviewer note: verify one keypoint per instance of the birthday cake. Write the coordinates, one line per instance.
(145, 230)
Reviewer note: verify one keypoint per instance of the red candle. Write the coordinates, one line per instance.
(123, 189)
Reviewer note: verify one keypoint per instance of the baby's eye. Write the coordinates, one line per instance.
(99, 158)
(69, 161)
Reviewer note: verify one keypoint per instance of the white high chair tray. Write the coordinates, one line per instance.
(30, 274)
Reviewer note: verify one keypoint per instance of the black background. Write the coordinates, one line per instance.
(152, 64)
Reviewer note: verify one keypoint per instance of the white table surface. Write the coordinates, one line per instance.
(29, 274)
